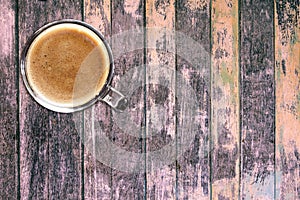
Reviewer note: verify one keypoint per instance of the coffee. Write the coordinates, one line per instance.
(67, 65)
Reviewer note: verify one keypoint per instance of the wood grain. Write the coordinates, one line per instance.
(49, 142)
(128, 15)
(257, 99)
(160, 90)
(225, 100)
(97, 176)
(8, 103)
(246, 144)
(193, 171)
(287, 72)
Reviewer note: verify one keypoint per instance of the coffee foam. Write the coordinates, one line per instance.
(67, 65)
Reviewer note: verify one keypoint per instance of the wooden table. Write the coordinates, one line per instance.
(246, 144)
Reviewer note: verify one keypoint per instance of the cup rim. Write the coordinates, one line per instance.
(63, 109)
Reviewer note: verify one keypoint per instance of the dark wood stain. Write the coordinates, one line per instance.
(283, 66)
(161, 5)
(224, 163)
(288, 19)
(194, 169)
(159, 93)
(290, 164)
(221, 52)
(221, 197)
(257, 90)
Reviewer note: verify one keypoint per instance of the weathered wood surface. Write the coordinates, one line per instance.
(50, 159)
(97, 176)
(128, 182)
(193, 166)
(257, 99)
(225, 132)
(287, 72)
(8, 103)
(246, 82)
(160, 91)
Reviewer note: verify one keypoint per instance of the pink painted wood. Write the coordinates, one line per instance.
(245, 144)
(8, 103)
(97, 176)
(128, 15)
(160, 89)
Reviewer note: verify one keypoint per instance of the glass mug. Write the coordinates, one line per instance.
(67, 66)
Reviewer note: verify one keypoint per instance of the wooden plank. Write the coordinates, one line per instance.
(49, 142)
(97, 176)
(287, 57)
(8, 103)
(225, 133)
(160, 90)
(257, 99)
(129, 183)
(193, 170)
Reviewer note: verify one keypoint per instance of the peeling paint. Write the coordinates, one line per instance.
(287, 99)
(224, 116)
(131, 7)
(197, 4)
(7, 21)
(99, 15)
(160, 104)
(288, 16)
(227, 78)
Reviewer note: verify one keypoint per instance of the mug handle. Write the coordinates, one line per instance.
(115, 99)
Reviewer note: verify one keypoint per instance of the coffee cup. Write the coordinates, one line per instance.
(67, 66)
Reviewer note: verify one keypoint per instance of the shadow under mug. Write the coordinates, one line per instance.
(107, 93)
